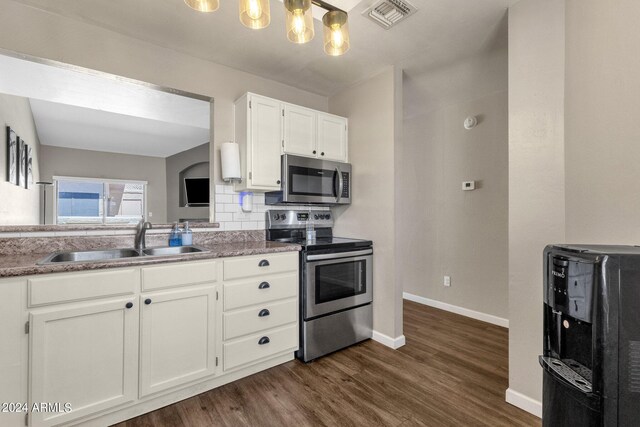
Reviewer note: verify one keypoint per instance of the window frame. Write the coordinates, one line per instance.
(104, 181)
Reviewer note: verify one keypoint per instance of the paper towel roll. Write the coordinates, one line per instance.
(230, 159)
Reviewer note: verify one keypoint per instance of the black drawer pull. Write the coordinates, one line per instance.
(264, 312)
(264, 340)
(129, 305)
(147, 301)
(263, 263)
(264, 285)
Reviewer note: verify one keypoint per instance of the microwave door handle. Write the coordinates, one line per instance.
(340, 185)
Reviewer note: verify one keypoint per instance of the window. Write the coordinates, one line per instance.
(99, 201)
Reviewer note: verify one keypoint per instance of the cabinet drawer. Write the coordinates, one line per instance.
(249, 350)
(260, 290)
(238, 268)
(179, 274)
(259, 318)
(82, 286)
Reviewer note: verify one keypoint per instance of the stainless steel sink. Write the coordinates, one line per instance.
(172, 250)
(94, 255)
(115, 254)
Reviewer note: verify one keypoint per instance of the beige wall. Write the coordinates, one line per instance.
(71, 41)
(59, 161)
(602, 122)
(176, 164)
(444, 230)
(536, 177)
(371, 107)
(18, 205)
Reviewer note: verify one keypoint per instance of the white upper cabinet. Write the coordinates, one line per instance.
(259, 134)
(332, 137)
(267, 128)
(299, 130)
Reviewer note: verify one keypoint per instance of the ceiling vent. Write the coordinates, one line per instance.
(388, 13)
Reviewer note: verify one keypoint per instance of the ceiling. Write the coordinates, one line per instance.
(70, 126)
(440, 32)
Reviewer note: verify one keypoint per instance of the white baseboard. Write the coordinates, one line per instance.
(495, 320)
(394, 343)
(523, 402)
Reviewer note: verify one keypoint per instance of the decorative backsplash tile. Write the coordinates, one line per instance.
(230, 216)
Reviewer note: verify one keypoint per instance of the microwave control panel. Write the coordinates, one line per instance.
(346, 185)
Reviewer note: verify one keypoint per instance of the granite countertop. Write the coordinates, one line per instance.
(26, 264)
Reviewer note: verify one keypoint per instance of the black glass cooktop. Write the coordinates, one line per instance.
(327, 242)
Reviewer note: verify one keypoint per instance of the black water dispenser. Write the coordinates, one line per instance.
(591, 351)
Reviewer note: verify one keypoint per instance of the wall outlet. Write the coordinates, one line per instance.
(447, 281)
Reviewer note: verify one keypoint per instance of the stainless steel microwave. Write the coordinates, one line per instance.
(309, 181)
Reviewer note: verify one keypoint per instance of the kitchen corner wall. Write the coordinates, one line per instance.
(373, 108)
(18, 205)
(536, 180)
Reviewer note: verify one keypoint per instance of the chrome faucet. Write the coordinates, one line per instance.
(141, 234)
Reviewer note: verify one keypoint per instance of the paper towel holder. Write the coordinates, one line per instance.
(230, 162)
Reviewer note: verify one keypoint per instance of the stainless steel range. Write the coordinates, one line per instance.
(336, 282)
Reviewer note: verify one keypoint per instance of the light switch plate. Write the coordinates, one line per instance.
(468, 185)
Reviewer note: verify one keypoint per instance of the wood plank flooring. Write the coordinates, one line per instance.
(452, 372)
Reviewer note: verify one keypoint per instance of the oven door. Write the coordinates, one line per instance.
(337, 281)
(316, 181)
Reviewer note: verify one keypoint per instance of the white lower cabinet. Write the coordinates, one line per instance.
(85, 356)
(178, 338)
(128, 341)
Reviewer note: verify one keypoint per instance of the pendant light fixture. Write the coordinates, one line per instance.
(299, 20)
(203, 5)
(255, 14)
(336, 32)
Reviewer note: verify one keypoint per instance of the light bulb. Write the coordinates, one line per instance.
(298, 22)
(337, 40)
(336, 32)
(255, 14)
(203, 5)
(255, 11)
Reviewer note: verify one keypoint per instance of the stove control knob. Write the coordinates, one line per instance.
(283, 216)
(315, 217)
(326, 217)
(276, 216)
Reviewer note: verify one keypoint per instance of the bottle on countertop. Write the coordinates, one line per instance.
(175, 238)
(311, 231)
(187, 235)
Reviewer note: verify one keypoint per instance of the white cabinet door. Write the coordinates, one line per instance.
(265, 142)
(299, 131)
(178, 338)
(86, 356)
(332, 137)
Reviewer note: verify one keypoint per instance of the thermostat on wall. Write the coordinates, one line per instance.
(469, 185)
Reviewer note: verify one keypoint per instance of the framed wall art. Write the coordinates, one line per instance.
(12, 156)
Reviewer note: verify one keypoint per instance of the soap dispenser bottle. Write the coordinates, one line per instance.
(187, 235)
(175, 238)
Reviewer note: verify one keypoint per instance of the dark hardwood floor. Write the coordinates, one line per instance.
(452, 372)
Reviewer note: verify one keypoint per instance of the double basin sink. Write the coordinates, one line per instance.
(115, 254)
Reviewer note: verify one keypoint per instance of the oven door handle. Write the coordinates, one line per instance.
(339, 255)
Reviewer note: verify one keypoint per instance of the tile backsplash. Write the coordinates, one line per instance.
(230, 215)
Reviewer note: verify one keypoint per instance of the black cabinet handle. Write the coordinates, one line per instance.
(147, 301)
(322, 154)
(278, 182)
(314, 151)
(264, 312)
(264, 340)
(129, 305)
(264, 285)
(263, 263)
